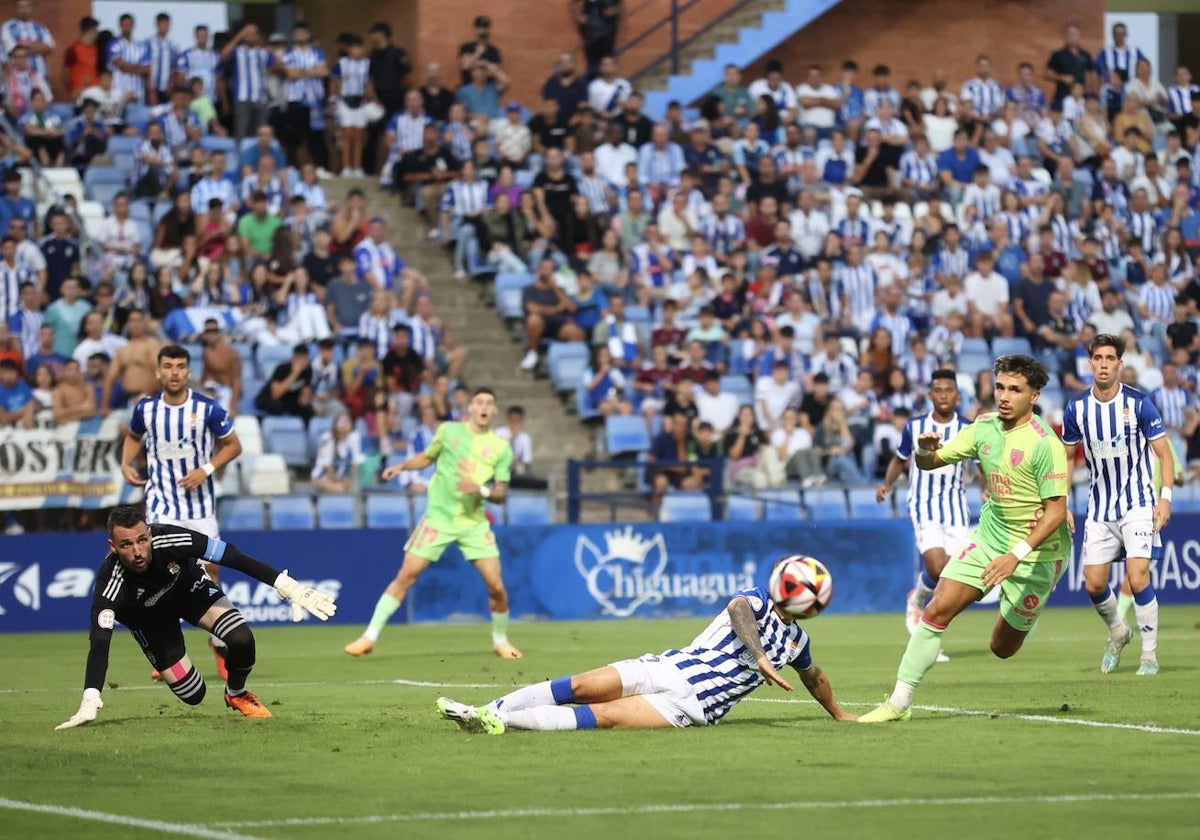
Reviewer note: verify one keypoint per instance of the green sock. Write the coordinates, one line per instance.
(499, 628)
(1124, 603)
(919, 657)
(384, 607)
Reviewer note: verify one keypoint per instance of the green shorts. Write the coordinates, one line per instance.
(432, 536)
(1022, 596)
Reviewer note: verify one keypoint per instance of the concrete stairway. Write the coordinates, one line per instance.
(494, 355)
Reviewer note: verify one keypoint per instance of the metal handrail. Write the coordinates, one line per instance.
(576, 496)
(672, 20)
(42, 182)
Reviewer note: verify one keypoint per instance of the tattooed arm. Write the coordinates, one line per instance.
(745, 625)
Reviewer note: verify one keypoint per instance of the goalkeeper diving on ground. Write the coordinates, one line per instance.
(152, 577)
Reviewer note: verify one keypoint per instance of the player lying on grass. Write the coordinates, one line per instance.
(152, 577)
(743, 648)
(1022, 541)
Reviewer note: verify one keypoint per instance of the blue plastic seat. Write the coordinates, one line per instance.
(740, 387)
(291, 513)
(388, 510)
(972, 363)
(626, 434)
(250, 388)
(566, 361)
(271, 425)
(781, 505)
(318, 426)
(742, 509)
(508, 290)
(271, 357)
(104, 192)
(583, 405)
(975, 345)
(685, 507)
(241, 513)
(825, 503)
(103, 175)
(336, 511)
(292, 444)
(1009, 346)
(864, 506)
(529, 509)
(137, 116)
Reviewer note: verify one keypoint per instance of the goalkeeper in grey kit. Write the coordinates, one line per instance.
(152, 577)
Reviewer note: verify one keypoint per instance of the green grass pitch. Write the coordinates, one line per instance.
(1032, 747)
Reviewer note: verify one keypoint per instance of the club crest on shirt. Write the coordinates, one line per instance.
(1016, 457)
(173, 568)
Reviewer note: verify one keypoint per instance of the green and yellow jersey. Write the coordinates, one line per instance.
(460, 453)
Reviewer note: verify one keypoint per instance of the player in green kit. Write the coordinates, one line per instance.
(1022, 542)
(468, 455)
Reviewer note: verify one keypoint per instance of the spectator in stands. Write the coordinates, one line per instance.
(257, 228)
(427, 170)
(514, 139)
(339, 455)
(81, 60)
(834, 441)
(674, 446)
(1111, 319)
(608, 390)
(389, 69)
(548, 313)
(716, 407)
(17, 406)
(742, 445)
(86, 135)
(988, 299)
(66, 315)
(73, 398)
(43, 131)
(608, 93)
(289, 390)
(505, 236)
(480, 49)
(44, 354)
(347, 299)
(326, 381)
(249, 61)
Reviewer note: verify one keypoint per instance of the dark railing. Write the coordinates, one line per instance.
(637, 498)
(671, 20)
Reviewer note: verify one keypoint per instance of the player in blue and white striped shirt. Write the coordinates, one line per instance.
(743, 648)
(130, 62)
(187, 437)
(161, 54)
(1121, 56)
(1122, 433)
(859, 283)
(983, 91)
(937, 499)
(247, 62)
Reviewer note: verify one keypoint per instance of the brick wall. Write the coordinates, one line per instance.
(915, 37)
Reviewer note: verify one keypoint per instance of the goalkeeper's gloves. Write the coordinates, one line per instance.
(87, 710)
(304, 598)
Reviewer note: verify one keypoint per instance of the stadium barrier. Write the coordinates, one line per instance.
(649, 570)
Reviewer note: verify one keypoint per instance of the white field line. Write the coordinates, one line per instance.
(951, 710)
(177, 829)
(707, 807)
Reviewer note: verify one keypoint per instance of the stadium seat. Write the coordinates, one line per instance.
(195, 355)
(566, 361)
(336, 511)
(1186, 499)
(64, 179)
(972, 363)
(139, 210)
(250, 388)
(1079, 501)
(272, 356)
(781, 505)
(974, 500)
(271, 425)
(685, 507)
(65, 111)
(900, 500)
(291, 513)
(740, 387)
(742, 509)
(241, 513)
(388, 510)
(211, 143)
(268, 476)
(249, 432)
(104, 193)
(623, 435)
(123, 144)
(292, 444)
(230, 481)
(138, 117)
(529, 509)
(508, 289)
(975, 345)
(825, 503)
(1009, 346)
(864, 506)
(318, 426)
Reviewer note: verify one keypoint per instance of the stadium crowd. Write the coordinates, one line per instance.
(770, 278)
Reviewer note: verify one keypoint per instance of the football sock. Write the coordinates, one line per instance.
(1124, 602)
(548, 693)
(191, 688)
(231, 628)
(550, 718)
(919, 657)
(1145, 607)
(499, 628)
(217, 643)
(1106, 604)
(384, 608)
(925, 587)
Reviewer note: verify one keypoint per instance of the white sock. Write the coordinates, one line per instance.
(924, 590)
(1147, 619)
(902, 694)
(543, 718)
(528, 697)
(1107, 607)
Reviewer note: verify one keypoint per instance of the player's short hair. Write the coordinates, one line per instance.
(943, 374)
(516, 410)
(173, 351)
(1017, 364)
(483, 389)
(125, 516)
(1106, 340)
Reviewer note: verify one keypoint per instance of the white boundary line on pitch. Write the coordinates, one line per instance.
(185, 829)
(951, 710)
(703, 807)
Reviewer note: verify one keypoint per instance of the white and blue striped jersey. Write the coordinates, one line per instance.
(311, 89)
(1123, 58)
(132, 52)
(724, 235)
(899, 327)
(720, 668)
(274, 189)
(1179, 99)
(987, 95)
(249, 69)
(859, 284)
(920, 169)
(1159, 302)
(209, 188)
(1172, 403)
(376, 329)
(1115, 436)
(461, 198)
(425, 338)
(409, 131)
(595, 189)
(179, 439)
(200, 63)
(162, 55)
(15, 30)
(1143, 227)
(379, 260)
(354, 73)
(11, 278)
(853, 231)
(935, 497)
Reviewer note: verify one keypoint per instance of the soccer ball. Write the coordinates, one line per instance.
(801, 586)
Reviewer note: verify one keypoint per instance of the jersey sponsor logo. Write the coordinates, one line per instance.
(1015, 457)
(173, 568)
(1062, 476)
(999, 485)
(986, 449)
(632, 571)
(106, 619)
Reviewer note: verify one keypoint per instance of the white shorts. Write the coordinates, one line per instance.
(348, 117)
(936, 535)
(664, 687)
(207, 525)
(1134, 532)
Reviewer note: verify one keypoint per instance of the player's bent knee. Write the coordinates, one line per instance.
(190, 689)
